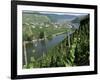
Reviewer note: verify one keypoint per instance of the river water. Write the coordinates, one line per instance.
(40, 47)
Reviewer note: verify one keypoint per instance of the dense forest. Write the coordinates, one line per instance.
(72, 51)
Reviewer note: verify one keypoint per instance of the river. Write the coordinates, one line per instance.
(40, 47)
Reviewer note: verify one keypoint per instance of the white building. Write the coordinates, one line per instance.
(55, 26)
(33, 26)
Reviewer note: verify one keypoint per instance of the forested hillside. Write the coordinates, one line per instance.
(81, 41)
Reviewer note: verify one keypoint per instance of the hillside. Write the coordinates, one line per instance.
(34, 18)
(79, 18)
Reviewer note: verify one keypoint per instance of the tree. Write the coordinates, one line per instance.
(41, 35)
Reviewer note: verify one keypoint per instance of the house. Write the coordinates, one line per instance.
(47, 25)
(33, 26)
(40, 26)
(55, 26)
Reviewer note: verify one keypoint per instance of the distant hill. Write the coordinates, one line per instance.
(79, 18)
(60, 18)
(53, 17)
(34, 18)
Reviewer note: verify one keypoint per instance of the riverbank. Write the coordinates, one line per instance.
(58, 34)
(35, 40)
